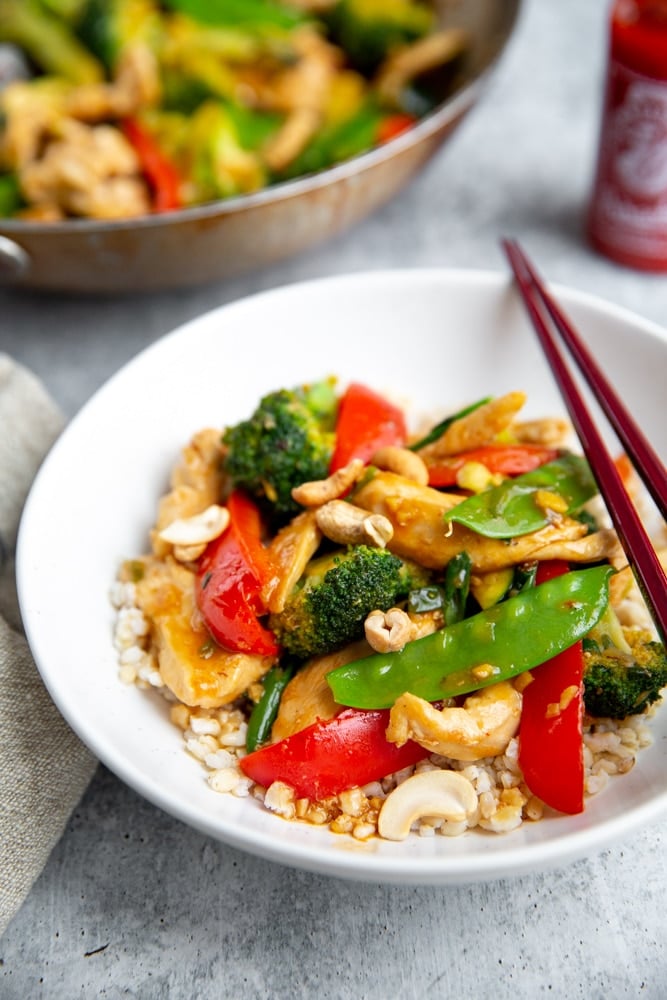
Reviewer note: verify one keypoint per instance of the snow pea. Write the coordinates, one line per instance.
(518, 506)
(494, 645)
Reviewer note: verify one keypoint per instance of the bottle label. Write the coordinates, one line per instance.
(629, 211)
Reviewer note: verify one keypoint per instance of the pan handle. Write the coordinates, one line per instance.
(14, 261)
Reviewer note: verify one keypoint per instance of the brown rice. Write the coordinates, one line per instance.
(216, 738)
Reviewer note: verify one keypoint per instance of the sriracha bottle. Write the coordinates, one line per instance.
(627, 219)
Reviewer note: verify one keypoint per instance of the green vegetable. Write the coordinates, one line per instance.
(287, 441)
(48, 41)
(109, 26)
(253, 127)
(338, 591)
(518, 506)
(333, 144)
(264, 713)
(206, 60)
(183, 92)
(11, 199)
(68, 10)
(457, 587)
(525, 575)
(256, 14)
(490, 588)
(444, 425)
(425, 599)
(624, 670)
(451, 596)
(491, 646)
(369, 29)
(219, 166)
(497, 585)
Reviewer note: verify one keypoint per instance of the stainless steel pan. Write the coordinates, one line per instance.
(226, 238)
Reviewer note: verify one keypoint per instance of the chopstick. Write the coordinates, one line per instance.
(631, 532)
(645, 459)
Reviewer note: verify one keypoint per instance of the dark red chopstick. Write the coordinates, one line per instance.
(645, 459)
(638, 548)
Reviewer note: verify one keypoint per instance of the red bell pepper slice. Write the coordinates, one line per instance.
(506, 460)
(551, 753)
(230, 576)
(161, 174)
(330, 756)
(246, 520)
(394, 125)
(366, 422)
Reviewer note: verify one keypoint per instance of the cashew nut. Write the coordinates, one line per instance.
(346, 524)
(388, 631)
(447, 794)
(191, 535)
(482, 727)
(403, 462)
(320, 491)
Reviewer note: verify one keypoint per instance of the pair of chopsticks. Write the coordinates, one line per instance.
(640, 553)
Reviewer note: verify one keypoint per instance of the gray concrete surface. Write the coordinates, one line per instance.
(134, 904)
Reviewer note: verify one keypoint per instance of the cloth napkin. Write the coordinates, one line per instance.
(44, 768)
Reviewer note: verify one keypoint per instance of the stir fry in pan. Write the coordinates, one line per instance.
(112, 109)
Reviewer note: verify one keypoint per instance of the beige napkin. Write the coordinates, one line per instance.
(44, 769)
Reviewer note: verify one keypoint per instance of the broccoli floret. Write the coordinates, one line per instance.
(287, 441)
(329, 605)
(622, 681)
(369, 29)
(218, 164)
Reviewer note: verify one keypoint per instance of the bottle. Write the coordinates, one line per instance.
(627, 219)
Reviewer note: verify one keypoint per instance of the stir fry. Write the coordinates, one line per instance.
(387, 631)
(112, 109)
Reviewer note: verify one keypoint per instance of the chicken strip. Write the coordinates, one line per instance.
(420, 532)
(192, 666)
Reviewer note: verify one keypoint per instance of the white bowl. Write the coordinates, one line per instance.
(435, 338)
